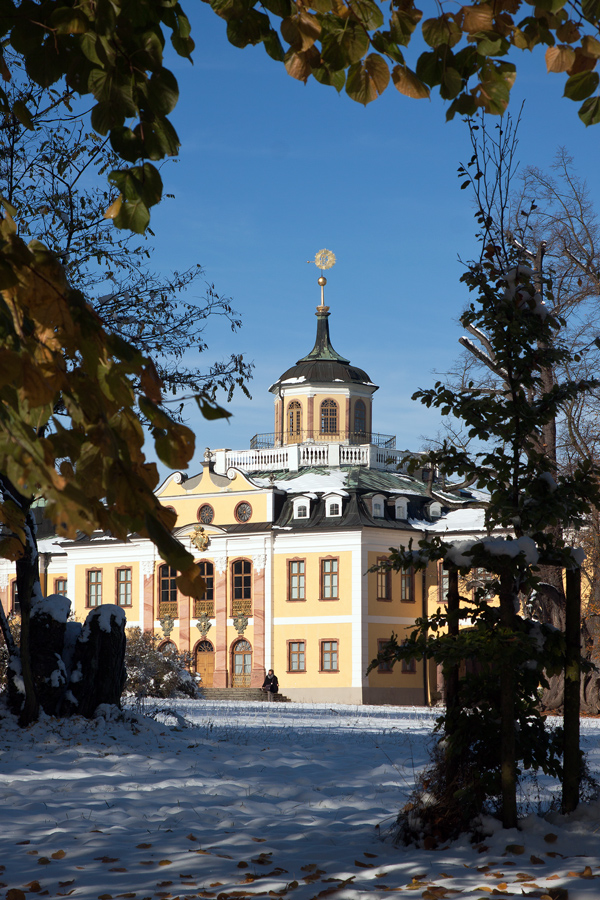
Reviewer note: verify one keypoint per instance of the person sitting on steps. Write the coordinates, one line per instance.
(270, 685)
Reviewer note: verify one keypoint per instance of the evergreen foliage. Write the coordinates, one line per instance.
(492, 726)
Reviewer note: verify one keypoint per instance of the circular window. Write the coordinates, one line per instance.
(243, 511)
(206, 514)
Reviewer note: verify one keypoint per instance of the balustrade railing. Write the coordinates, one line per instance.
(204, 607)
(168, 608)
(241, 608)
(271, 439)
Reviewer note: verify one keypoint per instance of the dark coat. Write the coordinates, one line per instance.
(271, 683)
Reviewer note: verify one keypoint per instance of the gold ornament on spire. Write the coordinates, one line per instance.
(324, 259)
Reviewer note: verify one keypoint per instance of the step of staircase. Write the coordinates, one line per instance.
(247, 694)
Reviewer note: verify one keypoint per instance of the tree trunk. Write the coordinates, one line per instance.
(451, 675)
(508, 773)
(28, 586)
(571, 751)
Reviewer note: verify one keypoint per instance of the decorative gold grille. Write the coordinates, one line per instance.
(240, 680)
(241, 608)
(204, 607)
(168, 608)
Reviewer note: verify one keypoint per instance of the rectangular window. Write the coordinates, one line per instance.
(94, 587)
(407, 586)
(329, 656)
(123, 587)
(444, 583)
(296, 579)
(167, 592)
(409, 666)
(296, 656)
(241, 601)
(329, 579)
(384, 582)
(14, 598)
(60, 586)
(383, 666)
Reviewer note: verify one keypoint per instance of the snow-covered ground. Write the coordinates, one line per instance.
(248, 800)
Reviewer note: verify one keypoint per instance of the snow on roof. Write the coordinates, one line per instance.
(457, 520)
(311, 482)
(50, 545)
(295, 379)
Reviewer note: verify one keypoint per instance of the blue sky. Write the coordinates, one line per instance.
(271, 171)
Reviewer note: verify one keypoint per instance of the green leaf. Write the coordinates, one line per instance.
(368, 12)
(139, 182)
(274, 47)
(163, 92)
(552, 6)
(344, 42)
(23, 115)
(69, 21)
(324, 75)
(281, 8)
(159, 138)
(430, 68)
(133, 216)
(381, 41)
(403, 23)
(581, 85)
(210, 410)
(253, 28)
(367, 79)
(102, 117)
(451, 84)
(442, 30)
(589, 112)
(126, 144)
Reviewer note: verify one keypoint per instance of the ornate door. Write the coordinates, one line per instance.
(205, 662)
(242, 664)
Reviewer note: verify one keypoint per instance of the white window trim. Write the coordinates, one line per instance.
(435, 510)
(301, 501)
(334, 500)
(401, 508)
(378, 499)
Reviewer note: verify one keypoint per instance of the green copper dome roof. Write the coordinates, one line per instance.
(323, 363)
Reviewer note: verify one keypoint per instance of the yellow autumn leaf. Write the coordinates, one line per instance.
(115, 207)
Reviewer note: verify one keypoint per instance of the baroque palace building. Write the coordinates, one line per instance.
(285, 534)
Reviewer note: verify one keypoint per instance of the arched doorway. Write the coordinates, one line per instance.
(205, 662)
(241, 664)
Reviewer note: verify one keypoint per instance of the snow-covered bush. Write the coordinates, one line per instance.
(154, 672)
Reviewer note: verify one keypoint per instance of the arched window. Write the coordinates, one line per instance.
(241, 588)
(241, 663)
(167, 592)
(329, 417)
(206, 605)
(294, 419)
(360, 417)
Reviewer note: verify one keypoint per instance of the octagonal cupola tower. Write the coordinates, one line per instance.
(323, 397)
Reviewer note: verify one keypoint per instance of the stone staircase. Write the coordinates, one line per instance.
(254, 694)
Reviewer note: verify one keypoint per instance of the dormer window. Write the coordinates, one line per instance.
(333, 506)
(378, 506)
(435, 510)
(401, 508)
(301, 508)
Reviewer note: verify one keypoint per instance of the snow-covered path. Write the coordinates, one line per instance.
(256, 800)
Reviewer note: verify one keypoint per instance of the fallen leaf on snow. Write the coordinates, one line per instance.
(143, 846)
(517, 849)
(550, 838)
(60, 854)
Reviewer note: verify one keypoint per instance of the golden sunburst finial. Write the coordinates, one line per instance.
(324, 259)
